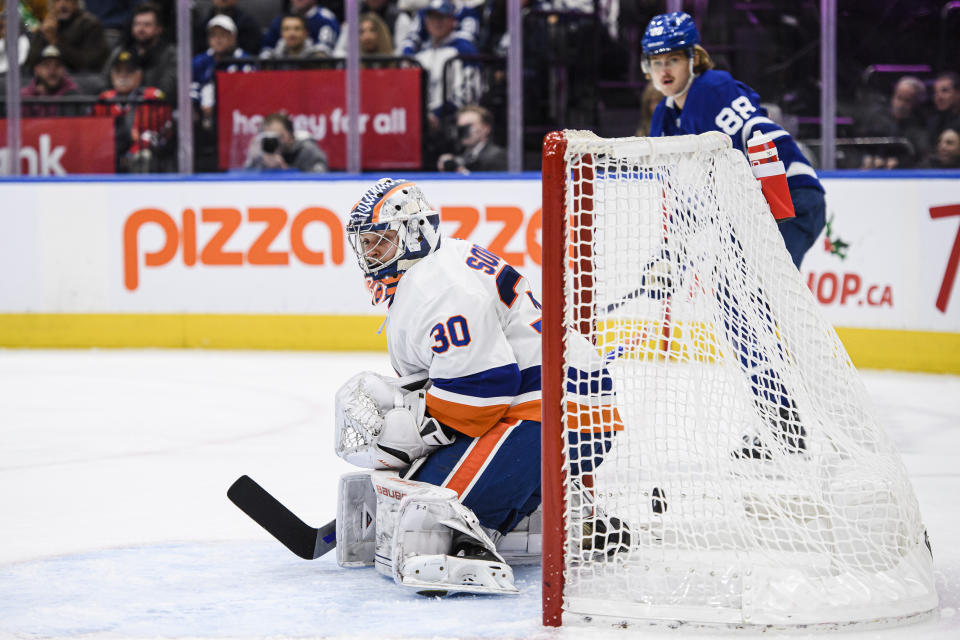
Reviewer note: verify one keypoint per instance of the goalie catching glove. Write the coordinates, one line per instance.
(381, 427)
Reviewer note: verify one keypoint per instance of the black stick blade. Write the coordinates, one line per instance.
(302, 539)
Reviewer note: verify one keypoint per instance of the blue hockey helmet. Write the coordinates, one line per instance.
(669, 32)
(390, 229)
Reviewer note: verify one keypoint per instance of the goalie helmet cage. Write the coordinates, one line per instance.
(750, 470)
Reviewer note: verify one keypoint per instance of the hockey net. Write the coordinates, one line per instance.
(742, 454)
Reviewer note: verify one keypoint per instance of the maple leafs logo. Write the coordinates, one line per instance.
(834, 244)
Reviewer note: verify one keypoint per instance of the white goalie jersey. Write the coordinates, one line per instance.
(471, 322)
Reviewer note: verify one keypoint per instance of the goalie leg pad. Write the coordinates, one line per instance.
(429, 523)
(391, 492)
(425, 520)
(356, 520)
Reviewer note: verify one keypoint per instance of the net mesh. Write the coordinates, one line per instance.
(742, 476)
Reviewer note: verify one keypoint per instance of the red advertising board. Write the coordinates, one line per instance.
(58, 146)
(390, 113)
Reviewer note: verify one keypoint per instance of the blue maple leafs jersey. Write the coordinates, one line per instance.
(718, 102)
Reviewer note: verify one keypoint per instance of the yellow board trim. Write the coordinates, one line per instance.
(937, 352)
(213, 331)
(931, 351)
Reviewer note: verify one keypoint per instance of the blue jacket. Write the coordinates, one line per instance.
(322, 25)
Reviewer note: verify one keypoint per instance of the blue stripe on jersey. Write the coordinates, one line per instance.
(491, 383)
(529, 380)
(507, 281)
(588, 383)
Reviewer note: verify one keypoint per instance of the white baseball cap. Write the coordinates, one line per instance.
(224, 22)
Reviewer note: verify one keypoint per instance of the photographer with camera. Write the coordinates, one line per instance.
(277, 146)
(474, 151)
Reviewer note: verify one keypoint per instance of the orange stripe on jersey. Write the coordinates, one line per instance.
(525, 411)
(476, 457)
(596, 419)
(376, 208)
(473, 421)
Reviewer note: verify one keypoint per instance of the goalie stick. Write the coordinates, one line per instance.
(664, 284)
(307, 542)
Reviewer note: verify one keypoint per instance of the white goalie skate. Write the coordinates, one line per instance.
(471, 568)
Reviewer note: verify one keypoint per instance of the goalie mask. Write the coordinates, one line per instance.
(391, 228)
(669, 32)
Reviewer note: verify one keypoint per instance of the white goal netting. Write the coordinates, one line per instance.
(743, 458)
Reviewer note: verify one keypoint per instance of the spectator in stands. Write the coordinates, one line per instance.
(23, 45)
(443, 45)
(50, 78)
(375, 38)
(294, 41)
(475, 151)
(222, 38)
(144, 122)
(901, 119)
(115, 17)
(411, 33)
(386, 9)
(279, 147)
(946, 102)
(76, 33)
(322, 24)
(248, 30)
(947, 152)
(157, 57)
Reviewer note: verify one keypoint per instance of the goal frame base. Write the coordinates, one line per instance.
(573, 619)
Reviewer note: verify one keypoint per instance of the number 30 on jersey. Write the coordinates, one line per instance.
(453, 331)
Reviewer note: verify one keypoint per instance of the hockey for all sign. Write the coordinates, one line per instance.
(61, 146)
(315, 101)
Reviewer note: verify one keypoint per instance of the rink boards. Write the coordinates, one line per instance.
(247, 262)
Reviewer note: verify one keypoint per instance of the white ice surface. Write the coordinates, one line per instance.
(114, 521)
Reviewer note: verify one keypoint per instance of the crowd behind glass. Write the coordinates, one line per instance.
(898, 90)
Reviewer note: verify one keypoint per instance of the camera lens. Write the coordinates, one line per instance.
(269, 144)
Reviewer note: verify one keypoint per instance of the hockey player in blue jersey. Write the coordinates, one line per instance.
(466, 445)
(700, 98)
